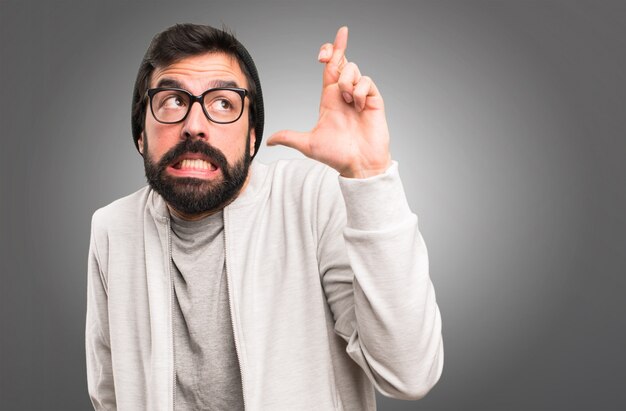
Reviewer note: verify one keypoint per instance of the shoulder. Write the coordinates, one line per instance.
(296, 186)
(302, 174)
(307, 184)
(122, 212)
(286, 180)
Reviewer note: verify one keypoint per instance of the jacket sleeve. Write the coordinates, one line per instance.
(97, 342)
(377, 284)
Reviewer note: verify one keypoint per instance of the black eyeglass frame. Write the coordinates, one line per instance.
(200, 99)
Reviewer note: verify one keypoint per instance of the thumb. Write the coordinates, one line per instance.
(294, 139)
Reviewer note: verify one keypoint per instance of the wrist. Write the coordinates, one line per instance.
(366, 171)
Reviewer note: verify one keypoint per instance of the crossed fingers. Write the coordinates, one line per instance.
(355, 88)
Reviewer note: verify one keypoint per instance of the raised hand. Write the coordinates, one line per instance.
(351, 134)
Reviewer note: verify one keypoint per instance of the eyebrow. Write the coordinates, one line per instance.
(169, 82)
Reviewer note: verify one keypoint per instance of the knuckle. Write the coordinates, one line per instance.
(345, 78)
(344, 83)
(354, 69)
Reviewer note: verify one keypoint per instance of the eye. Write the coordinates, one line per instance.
(173, 101)
(221, 104)
(170, 100)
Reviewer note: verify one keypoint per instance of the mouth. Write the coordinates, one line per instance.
(193, 165)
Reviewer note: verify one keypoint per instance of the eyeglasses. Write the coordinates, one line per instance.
(222, 105)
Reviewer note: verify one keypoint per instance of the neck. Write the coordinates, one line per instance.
(191, 217)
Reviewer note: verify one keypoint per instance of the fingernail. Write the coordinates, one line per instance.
(323, 54)
(347, 97)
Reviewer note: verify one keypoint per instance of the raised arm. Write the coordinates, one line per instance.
(372, 257)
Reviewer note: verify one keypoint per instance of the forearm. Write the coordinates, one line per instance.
(396, 335)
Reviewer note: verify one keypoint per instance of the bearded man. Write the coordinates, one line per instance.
(227, 284)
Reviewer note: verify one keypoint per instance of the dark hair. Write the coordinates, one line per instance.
(186, 40)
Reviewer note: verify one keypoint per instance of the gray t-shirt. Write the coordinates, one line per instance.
(207, 368)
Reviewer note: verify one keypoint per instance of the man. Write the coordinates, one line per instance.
(227, 284)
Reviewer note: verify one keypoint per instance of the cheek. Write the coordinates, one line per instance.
(160, 139)
(232, 143)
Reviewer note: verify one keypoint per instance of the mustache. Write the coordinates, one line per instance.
(194, 146)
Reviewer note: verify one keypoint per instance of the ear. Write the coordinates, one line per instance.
(252, 141)
(140, 143)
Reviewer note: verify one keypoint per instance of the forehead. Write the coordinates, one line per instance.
(200, 71)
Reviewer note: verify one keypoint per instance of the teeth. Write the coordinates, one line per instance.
(197, 164)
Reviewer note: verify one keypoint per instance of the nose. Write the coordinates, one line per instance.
(195, 125)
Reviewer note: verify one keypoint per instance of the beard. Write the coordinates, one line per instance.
(191, 195)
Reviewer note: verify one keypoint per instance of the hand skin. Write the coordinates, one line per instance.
(351, 134)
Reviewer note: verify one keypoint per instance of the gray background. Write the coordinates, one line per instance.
(507, 119)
